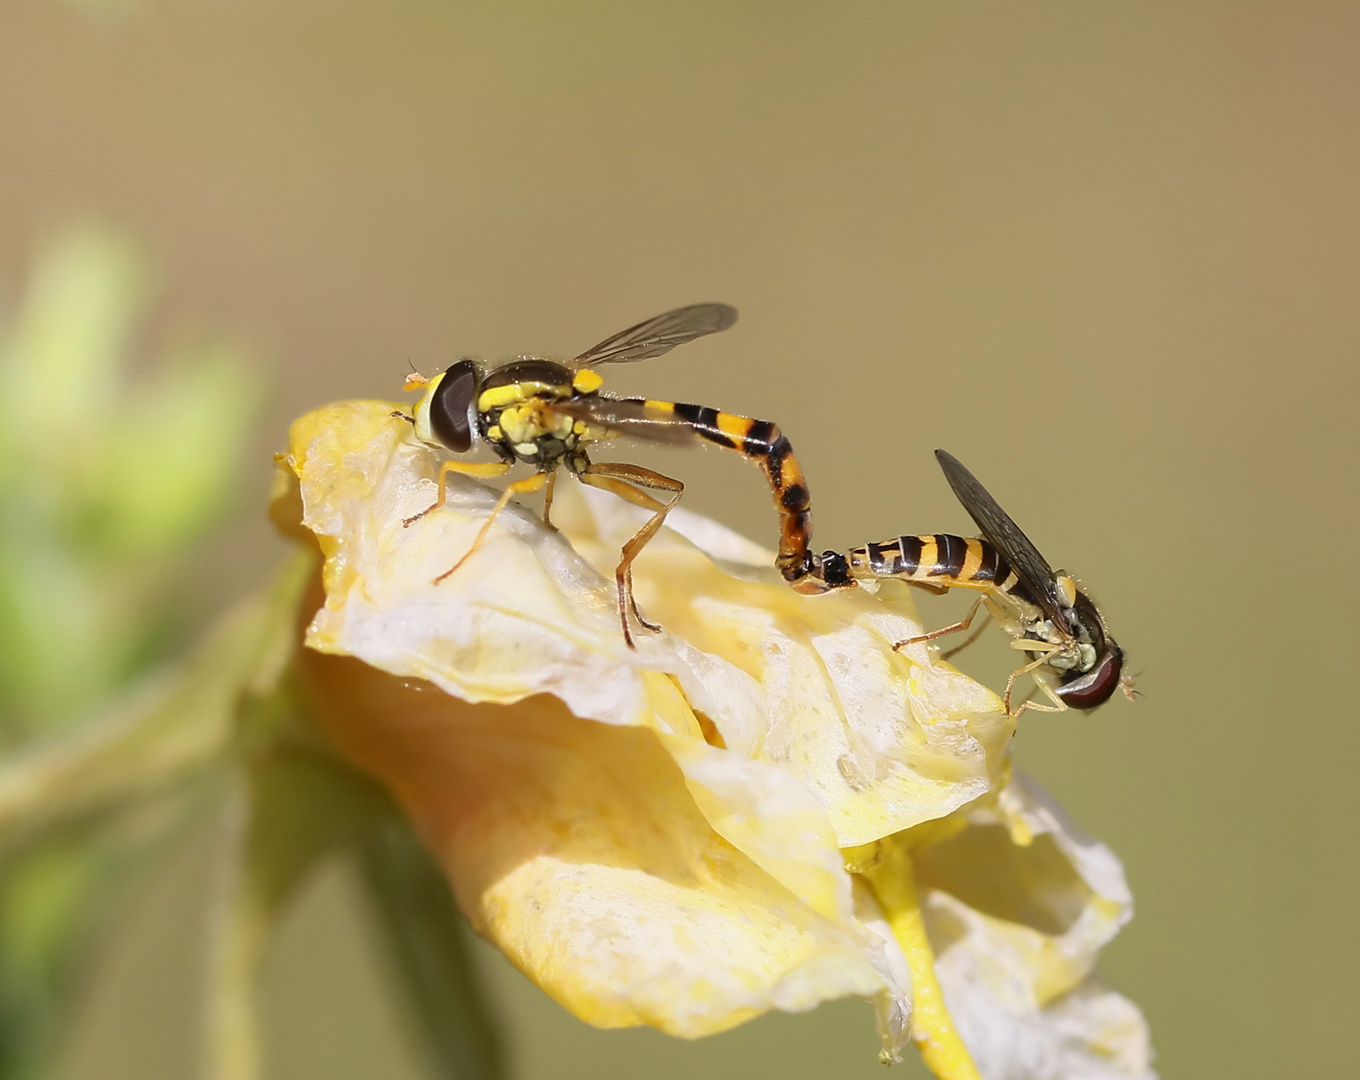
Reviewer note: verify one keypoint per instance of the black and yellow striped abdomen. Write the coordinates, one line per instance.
(762, 441)
(942, 559)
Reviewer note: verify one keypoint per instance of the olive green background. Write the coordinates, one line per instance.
(1106, 254)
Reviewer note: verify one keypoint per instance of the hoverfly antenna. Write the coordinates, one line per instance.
(415, 381)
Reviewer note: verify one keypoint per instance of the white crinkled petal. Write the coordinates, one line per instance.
(1018, 906)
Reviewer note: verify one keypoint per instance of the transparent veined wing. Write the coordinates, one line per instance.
(1000, 529)
(660, 334)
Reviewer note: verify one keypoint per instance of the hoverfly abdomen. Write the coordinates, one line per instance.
(936, 559)
(763, 442)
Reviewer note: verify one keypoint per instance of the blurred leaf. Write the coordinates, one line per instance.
(168, 467)
(64, 351)
(296, 806)
(426, 935)
(82, 817)
(60, 892)
(52, 627)
(107, 479)
(174, 723)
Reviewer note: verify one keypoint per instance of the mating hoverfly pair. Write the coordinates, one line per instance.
(548, 414)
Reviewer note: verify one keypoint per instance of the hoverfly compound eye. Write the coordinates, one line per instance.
(451, 407)
(1095, 687)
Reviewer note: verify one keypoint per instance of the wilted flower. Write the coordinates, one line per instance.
(762, 807)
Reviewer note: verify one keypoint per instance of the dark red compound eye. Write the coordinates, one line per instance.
(1095, 687)
(451, 407)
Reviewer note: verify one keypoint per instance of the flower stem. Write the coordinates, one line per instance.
(932, 1028)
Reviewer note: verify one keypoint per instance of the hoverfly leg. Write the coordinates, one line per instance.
(547, 500)
(397, 414)
(1028, 704)
(1027, 645)
(954, 628)
(624, 481)
(485, 469)
(951, 653)
(519, 487)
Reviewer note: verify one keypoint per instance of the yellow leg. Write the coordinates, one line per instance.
(519, 487)
(967, 641)
(1061, 707)
(1026, 645)
(962, 624)
(548, 497)
(480, 469)
(624, 481)
(932, 1028)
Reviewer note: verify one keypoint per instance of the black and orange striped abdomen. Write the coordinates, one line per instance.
(762, 441)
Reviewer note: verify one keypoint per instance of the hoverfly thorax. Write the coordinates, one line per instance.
(1094, 680)
(515, 410)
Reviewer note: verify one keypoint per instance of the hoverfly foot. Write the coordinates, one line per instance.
(406, 523)
(449, 572)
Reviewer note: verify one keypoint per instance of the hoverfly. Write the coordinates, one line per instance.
(547, 414)
(1047, 616)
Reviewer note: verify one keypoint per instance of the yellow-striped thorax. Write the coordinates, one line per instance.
(509, 408)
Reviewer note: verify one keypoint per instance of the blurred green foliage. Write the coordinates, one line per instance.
(109, 475)
(111, 472)
(116, 738)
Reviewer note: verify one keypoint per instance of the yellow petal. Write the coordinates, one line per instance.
(576, 847)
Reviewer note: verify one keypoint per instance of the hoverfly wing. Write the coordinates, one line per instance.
(630, 417)
(660, 334)
(1005, 535)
